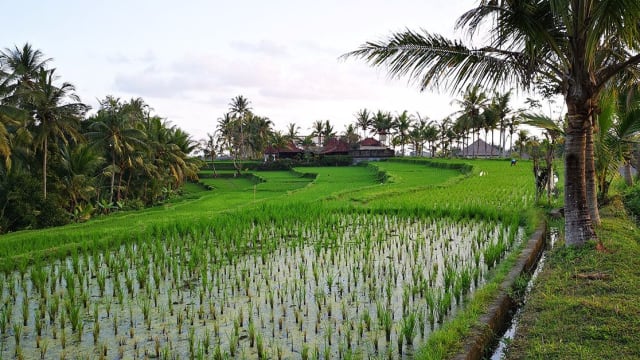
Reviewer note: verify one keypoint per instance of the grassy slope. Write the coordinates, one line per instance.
(571, 317)
(228, 194)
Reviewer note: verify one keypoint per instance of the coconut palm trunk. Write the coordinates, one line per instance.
(591, 182)
(578, 225)
(44, 167)
(113, 176)
(628, 176)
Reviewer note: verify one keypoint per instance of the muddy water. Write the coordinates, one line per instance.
(331, 289)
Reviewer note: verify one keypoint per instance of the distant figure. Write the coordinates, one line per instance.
(514, 162)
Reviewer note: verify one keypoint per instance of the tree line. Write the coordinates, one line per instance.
(241, 134)
(61, 164)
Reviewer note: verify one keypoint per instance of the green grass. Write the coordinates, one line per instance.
(569, 316)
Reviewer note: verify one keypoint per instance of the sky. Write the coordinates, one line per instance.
(188, 59)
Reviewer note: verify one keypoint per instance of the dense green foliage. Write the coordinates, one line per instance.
(60, 166)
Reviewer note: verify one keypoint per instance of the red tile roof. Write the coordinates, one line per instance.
(289, 148)
(335, 146)
(370, 142)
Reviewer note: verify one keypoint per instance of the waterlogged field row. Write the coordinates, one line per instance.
(337, 286)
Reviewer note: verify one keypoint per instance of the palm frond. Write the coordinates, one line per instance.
(542, 122)
(434, 61)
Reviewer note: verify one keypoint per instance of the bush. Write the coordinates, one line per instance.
(24, 206)
(133, 204)
(52, 213)
(631, 198)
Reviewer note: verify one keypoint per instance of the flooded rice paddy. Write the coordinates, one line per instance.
(344, 286)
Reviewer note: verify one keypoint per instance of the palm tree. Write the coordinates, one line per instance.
(24, 65)
(381, 124)
(307, 142)
(350, 135)
(19, 67)
(500, 110)
(292, 132)
(363, 121)
(402, 124)
(572, 47)
(512, 126)
(112, 130)
(7, 114)
(258, 132)
(617, 130)
(443, 128)
(463, 126)
(521, 142)
(209, 150)
(318, 130)
(278, 141)
(240, 108)
(553, 131)
(473, 104)
(431, 135)
(417, 135)
(327, 132)
(57, 112)
(79, 164)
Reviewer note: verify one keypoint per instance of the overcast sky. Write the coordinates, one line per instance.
(188, 59)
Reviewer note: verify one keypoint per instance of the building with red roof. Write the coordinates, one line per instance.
(288, 151)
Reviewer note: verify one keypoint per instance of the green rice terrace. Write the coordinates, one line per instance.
(389, 260)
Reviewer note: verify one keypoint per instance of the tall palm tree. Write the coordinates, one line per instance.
(571, 47)
(473, 104)
(463, 126)
(112, 130)
(209, 149)
(512, 126)
(57, 112)
(170, 147)
(444, 128)
(292, 132)
(240, 108)
(381, 124)
(500, 110)
(259, 133)
(230, 137)
(521, 142)
(431, 136)
(7, 115)
(402, 123)
(417, 135)
(363, 121)
(24, 65)
(318, 130)
(19, 68)
(328, 131)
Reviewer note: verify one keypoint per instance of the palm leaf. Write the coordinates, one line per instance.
(543, 122)
(435, 61)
